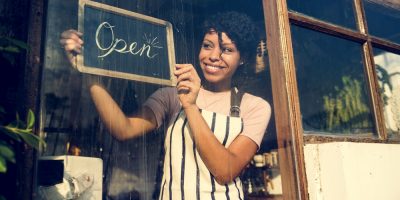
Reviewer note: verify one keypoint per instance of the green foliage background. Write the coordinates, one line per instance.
(346, 110)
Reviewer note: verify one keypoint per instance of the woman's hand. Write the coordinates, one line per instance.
(188, 84)
(72, 43)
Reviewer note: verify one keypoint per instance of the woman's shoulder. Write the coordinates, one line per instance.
(251, 103)
(169, 90)
(165, 92)
(250, 98)
(165, 95)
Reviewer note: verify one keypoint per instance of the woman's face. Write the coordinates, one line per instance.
(218, 61)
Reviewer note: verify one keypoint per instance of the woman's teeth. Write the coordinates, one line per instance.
(213, 67)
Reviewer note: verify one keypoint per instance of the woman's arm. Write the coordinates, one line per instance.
(224, 163)
(121, 126)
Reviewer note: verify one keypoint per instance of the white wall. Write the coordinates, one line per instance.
(352, 171)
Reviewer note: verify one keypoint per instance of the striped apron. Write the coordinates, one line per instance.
(185, 175)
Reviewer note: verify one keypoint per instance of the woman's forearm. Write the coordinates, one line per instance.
(114, 118)
(223, 163)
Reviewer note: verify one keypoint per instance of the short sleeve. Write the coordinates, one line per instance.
(256, 113)
(163, 103)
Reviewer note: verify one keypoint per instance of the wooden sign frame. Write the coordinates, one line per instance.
(117, 74)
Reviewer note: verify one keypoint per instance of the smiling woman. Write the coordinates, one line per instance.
(205, 130)
(215, 144)
(218, 154)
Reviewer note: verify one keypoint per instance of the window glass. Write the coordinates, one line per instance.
(133, 169)
(331, 84)
(387, 67)
(383, 19)
(340, 12)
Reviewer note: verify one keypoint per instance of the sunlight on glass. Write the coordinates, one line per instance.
(387, 67)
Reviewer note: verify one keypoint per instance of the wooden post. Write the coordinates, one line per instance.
(28, 98)
(286, 102)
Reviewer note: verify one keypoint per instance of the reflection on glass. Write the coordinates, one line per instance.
(383, 18)
(339, 12)
(331, 84)
(387, 67)
(133, 169)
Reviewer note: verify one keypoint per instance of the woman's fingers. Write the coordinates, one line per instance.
(183, 68)
(186, 72)
(72, 34)
(71, 41)
(185, 87)
(185, 76)
(188, 85)
(71, 45)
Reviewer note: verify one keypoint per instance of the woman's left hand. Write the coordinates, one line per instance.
(188, 84)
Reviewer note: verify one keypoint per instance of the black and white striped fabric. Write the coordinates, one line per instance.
(185, 174)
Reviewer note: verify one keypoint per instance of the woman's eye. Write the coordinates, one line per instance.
(206, 46)
(227, 50)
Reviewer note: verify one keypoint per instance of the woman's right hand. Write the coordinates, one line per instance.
(72, 44)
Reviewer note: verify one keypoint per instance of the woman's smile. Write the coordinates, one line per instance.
(213, 69)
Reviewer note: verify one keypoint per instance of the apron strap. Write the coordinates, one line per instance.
(236, 98)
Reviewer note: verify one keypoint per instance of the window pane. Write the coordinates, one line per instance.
(331, 84)
(339, 12)
(387, 66)
(383, 18)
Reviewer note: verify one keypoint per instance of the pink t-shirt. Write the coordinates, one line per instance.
(254, 111)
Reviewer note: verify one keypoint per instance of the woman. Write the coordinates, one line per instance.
(206, 145)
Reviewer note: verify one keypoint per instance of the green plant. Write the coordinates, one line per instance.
(17, 131)
(346, 110)
(9, 47)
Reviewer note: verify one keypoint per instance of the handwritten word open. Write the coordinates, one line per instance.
(121, 46)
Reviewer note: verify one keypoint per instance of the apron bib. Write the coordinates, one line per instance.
(185, 175)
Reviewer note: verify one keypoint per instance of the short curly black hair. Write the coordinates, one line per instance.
(239, 27)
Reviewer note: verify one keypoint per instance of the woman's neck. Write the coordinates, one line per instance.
(215, 87)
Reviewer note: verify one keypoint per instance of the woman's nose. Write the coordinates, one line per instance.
(215, 54)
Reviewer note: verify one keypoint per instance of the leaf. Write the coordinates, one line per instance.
(32, 140)
(10, 49)
(3, 165)
(17, 120)
(18, 43)
(7, 152)
(16, 130)
(30, 119)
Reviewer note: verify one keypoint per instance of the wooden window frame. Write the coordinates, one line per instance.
(285, 94)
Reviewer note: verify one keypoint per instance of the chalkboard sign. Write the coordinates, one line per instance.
(125, 44)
